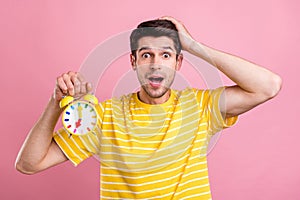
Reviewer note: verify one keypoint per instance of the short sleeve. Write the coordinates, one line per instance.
(209, 101)
(77, 148)
(216, 120)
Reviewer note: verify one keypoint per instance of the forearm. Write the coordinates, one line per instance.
(38, 141)
(248, 76)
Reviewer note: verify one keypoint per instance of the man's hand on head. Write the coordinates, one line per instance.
(185, 37)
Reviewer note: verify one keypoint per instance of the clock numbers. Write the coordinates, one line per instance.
(80, 118)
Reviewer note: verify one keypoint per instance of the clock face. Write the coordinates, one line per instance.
(79, 118)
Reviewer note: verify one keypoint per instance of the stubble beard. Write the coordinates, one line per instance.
(155, 94)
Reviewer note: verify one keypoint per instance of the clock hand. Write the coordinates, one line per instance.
(79, 109)
(78, 123)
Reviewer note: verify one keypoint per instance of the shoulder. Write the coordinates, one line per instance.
(203, 96)
(188, 93)
(184, 92)
(115, 100)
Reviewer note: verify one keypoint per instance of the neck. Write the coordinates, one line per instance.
(145, 98)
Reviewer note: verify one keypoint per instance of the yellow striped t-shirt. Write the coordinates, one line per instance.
(152, 151)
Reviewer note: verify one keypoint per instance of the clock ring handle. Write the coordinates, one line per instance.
(91, 98)
(65, 101)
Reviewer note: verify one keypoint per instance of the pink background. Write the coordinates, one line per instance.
(256, 159)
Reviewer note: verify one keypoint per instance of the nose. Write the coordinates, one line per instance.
(156, 63)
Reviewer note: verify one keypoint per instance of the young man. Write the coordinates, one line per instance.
(152, 143)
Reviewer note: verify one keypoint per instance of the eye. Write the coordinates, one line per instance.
(166, 55)
(146, 55)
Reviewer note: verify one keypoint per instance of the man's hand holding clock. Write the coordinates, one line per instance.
(71, 84)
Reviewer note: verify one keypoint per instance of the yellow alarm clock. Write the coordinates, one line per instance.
(80, 116)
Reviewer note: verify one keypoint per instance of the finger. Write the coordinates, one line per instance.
(177, 22)
(61, 86)
(76, 84)
(168, 18)
(83, 88)
(80, 77)
(86, 88)
(179, 25)
(89, 87)
(165, 17)
(58, 94)
(69, 84)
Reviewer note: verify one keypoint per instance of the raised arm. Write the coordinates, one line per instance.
(39, 150)
(254, 84)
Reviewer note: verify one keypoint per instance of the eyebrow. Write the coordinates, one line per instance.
(164, 48)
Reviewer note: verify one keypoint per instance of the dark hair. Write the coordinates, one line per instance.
(155, 28)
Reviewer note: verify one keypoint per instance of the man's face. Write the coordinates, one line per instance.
(156, 64)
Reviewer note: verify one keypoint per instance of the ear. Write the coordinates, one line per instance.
(133, 62)
(179, 62)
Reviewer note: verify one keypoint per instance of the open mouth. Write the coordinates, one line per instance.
(155, 81)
